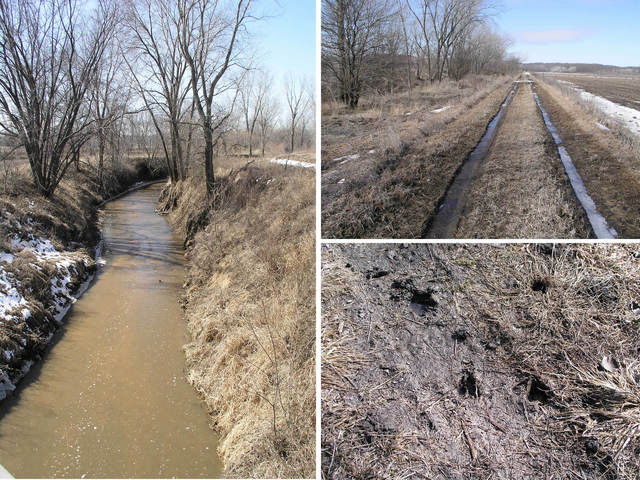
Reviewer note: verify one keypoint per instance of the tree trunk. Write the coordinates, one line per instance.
(101, 147)
(208, 161)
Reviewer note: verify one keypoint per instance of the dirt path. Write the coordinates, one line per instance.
(521, 189)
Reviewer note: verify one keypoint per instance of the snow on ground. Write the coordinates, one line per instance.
(346, 158)
(629, 117)
(37, 245)
(293, 163)
(10, 298)
(14, 307)
(442, 109)
(602, 127)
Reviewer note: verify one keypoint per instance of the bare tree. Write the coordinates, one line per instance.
(49, 57)
(307, 118)
(160, 72)
(253, 96)
(444, 24)
(298, 101)
(109, 99)
(350, 32)
(267, 117)
(209, 40)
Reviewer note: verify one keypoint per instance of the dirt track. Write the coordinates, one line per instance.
(609, 167)
(521, 189)
(388, 191)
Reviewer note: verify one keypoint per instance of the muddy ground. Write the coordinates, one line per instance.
(480, 361)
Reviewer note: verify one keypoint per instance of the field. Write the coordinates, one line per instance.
(478, 361)
(623, 89)
(389, 167)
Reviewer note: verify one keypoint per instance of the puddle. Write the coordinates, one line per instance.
(597, 221)
(110, 398)
(445, 221)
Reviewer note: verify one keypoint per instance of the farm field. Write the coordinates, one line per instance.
(623, 89)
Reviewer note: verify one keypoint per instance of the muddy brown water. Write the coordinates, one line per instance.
(110, 399)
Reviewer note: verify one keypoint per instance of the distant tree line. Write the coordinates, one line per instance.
(384, 45)
(595, 68)
(174, 77)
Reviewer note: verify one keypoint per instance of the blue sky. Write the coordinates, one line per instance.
(286, 40)
(575, 31)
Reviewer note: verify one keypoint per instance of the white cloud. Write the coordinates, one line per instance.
(549, 36)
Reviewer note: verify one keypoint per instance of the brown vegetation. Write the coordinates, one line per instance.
(392, 191)
(521, 189)
(455, 361)
(608, 161)
(250, 310)
(384, 46)
(623, 90)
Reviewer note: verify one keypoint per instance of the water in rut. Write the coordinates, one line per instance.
(110, 398)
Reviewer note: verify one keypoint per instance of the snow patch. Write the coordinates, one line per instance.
(441, 109)
(341, 181)
(6, 257)
(37, 245)
(629, 117)
(602, 127)
(371, 152)
(10, 299)
(293, 163)
(346, 158)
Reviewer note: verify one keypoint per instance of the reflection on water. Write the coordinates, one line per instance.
(110, 399)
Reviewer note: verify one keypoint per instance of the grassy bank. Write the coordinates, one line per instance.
(607, 160)
(385, 168)
(249, 305)
(46, 256)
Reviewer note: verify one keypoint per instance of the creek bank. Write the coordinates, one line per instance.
(249, 307)
(48, 252)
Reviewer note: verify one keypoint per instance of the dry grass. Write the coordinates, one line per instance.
(392, 191)
(251, 312)
(623, 90)
(608, 161)
(521, 189)
(531, 322)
